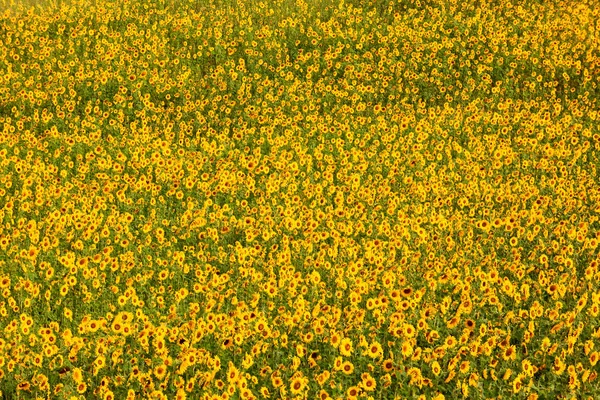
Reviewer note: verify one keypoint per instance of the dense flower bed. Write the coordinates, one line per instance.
(299, 199)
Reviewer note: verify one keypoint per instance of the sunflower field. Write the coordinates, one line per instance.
(299, 199)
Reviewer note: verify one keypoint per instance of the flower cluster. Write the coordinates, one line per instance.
(299, 199)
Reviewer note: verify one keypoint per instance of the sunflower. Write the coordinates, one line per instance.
(368, 383)
(323, 377)
(160, 371)
(527, 368)
(77, 375)
(453, 322)
(464, 367)
(117, 327)
(335, 340)
(346, 347)
(226, 344)
(323, 395)
(510, 353)
(297, 385)
(347, 367)
(38, 360)
(407, 349)
(435, 368)
(109, 395)
(276, 381)
(337, 363)
(127, 330)
(375, 350)
(81, 387)
(470, 324)
(517, 384)
(353, 392)
(594, 356)
(388, 365)
(450, 342)
(99, 363)
(181, 395)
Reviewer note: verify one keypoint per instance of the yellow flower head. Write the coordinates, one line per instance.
(347, 367)
(346, 347)
(435, 368)
(77, 375)
(375, 350)
(298, 384)
(368, 383)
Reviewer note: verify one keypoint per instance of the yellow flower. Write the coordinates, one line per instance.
(416, 379)
(298, 384)
(510, 353)
(248, 361)
(407, 349)
(353, 392)
(99, 363)
(435, 368)
(450, 342)
(388, 365)
(181, 395)
(465, 389)
(375, 350)
(337, 363)
(77, 375)
(346, 347)
(323, 377)
(409, 331)
(368, 383)
(160, 371)
(594, 356)
(117, 326)
(81, 387)
(276, 381)
(527, 367)
(464, 367)
(347, 367)
(335, 339)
